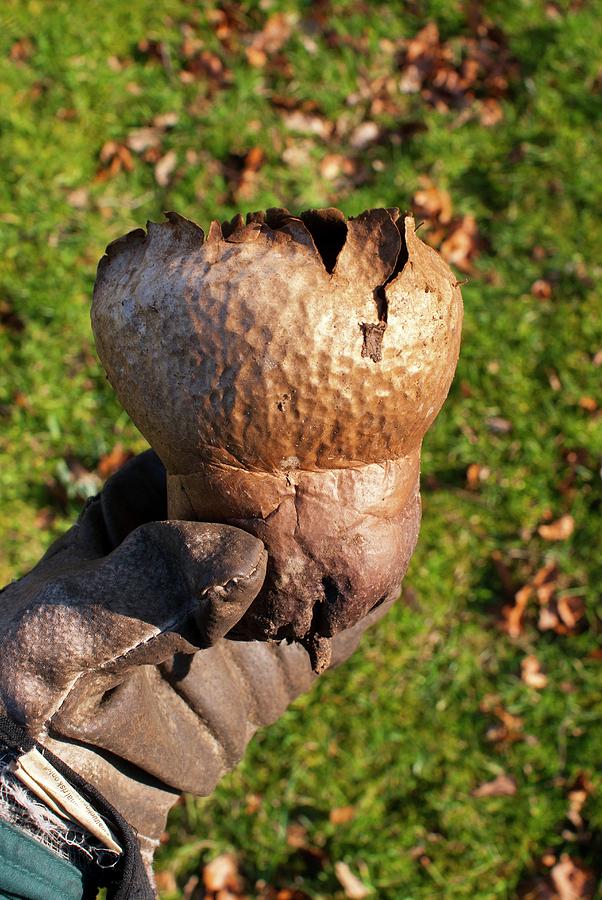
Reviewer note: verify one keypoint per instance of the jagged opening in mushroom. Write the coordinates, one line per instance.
(329, 233)
(373, 334)
(380, 293)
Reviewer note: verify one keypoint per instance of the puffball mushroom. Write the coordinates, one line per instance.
(286, 369)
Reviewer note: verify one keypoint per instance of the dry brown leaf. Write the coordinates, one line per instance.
(365, 134)
(548, 620)
(164, 168)
(576, 800)
(432, 203)
(190, 888)
(498, 425)
(531, 673)
(113, 460)
(559, 530)
(510, 728)
(308, 123)
(44, 518)
(296, 835)
(352, 886)
(114, 157)
(571, 610)
(462, 245)
(502, 786)
(513, 615)
(541, 289)
(491, 112)
(221, 874)
(272, 37)
(141, 139)
(547, 575)
(572, 880)
(166, 881)
(472, 476)
(78, 198)
(21, 50)
(254, 803)
(589, 404)
(341, 814)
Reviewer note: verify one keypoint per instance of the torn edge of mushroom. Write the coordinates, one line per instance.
(338, 242)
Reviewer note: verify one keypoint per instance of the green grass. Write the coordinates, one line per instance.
(401, 731)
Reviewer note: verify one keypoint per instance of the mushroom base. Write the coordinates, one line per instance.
(339, 541)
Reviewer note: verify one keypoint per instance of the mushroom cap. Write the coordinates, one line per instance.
(287, 342)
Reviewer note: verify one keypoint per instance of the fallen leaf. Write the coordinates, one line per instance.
(475, 474)
(221, 874)
(491, 112)
(559, 530)
(462, 244)
(166, 881)
(548, 620)
(206, 65)
(141, 139)
(272, 37)
(498, 425)
(113, 460)
(190, 888)
(341, 814)
(115, 158)
(78, 198)
(296, 835)
(254, 803)
(571, 610)
(588, 404)
(577, 797)
(164, 168)
(45, 517)
(531, 673)
(510, 728)
(572, 880)
(308, 123)
(350, 883)
(514, 615)
(541, 289)
(363, 135)
(454, 74)
(21, 50)
(576, 800)
(502, 786)
(166, 120)
(432, 203)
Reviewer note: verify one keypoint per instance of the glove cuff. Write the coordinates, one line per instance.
(127, 880)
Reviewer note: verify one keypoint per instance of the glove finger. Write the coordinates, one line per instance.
(170, 586)
(134, 495)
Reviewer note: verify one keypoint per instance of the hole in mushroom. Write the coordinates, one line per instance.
(328, 229)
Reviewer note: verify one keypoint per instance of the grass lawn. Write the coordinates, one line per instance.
(488, 124)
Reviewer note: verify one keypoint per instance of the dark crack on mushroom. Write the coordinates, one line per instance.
(328, 229)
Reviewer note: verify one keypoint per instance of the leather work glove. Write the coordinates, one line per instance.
(113, 659)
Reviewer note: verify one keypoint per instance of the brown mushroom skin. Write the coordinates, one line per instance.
(339, 542)
(286, 371)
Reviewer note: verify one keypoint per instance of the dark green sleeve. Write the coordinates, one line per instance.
(31, 871)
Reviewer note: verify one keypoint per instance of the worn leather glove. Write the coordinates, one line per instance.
(112, 653)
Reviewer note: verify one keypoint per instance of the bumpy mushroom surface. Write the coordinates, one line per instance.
(286, 370)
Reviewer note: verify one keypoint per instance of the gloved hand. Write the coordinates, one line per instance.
(112, 653)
